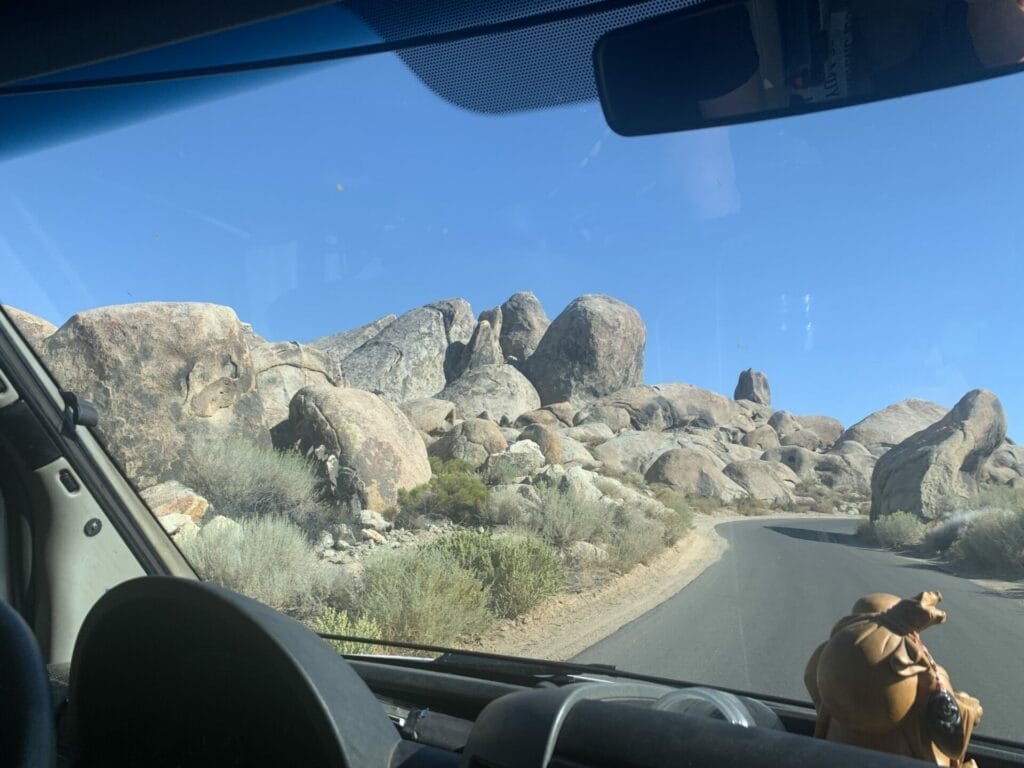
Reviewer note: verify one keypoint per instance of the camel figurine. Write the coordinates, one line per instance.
(875, 685)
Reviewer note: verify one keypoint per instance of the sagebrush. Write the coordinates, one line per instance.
(267, 558)
(634, 539)
(331, 621)
(517, 572)
(423, 597)
(564, 516)
(993, 543)
(898, 530)
(241, 479)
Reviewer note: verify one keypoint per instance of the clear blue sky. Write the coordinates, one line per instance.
(858, 257)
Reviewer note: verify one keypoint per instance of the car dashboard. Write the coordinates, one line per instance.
(172, 672)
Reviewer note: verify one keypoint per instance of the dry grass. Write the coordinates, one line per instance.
(421, 596)
(243, 480)
(266, 558)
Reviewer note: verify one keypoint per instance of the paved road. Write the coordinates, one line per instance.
(751, 620)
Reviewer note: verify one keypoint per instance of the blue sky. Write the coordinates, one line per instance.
(858, 257)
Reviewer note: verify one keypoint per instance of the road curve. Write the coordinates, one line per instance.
(752, 619)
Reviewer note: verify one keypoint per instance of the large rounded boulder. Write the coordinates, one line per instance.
(524, 323)
(471, 441)
(890, 426)
(693, 472)
(366, 447)
(32, 327)
(593, 348)
(753, 386)
(669, 407)
(166, 379)
(405, 361)
(500, 391)
(931, 469)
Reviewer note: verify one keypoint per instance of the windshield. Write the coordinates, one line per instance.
(516, 383)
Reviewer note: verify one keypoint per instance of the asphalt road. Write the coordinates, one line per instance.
(752, 619)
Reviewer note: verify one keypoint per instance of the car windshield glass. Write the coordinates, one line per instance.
(514, 383)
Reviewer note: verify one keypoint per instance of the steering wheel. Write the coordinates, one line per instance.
(26, 716)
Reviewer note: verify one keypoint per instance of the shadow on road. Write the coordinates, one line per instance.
(823, 537)
(1015, 592)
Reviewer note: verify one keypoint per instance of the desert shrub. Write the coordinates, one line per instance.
(331, 621)
(993, 542)
(748, 505)
(866, 532)
(518, 572)
(610, 487)
(266, 558)
(705, 505)
(898, 530)
(564, 516)
(506, 507)
(242, 479)
(681, 519)
(421, 596)
(634, 540)
(943, 534)
(455, 491)
(997, 497)
(987, 497)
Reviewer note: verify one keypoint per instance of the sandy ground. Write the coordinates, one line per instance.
(567, 624)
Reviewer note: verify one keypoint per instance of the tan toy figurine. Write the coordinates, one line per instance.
(874, 684)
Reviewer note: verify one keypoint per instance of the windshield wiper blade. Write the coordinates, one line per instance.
(481, 663)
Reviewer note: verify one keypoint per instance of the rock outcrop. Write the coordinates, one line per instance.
(471, 441)
(667, 407)
(338, 346)
(547, 439)
(32, 327)
(941, 463)
(767, 481)
(431, 415)
(524, 323)
(693, 472)
(892, 425)
(1005, 466)
(166, 379)
(365, 446)
(405, 361)
(753, 386)
(500, 391)
(283, 368)
(482, 349)
(593, 348)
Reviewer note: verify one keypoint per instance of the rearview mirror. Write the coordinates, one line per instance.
(727, 62)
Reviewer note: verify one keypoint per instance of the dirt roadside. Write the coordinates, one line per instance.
(567, 624)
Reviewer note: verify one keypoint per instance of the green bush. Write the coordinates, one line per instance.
(420, 596)
(518, 573)
(634, 540)
(331, 621)
(898, 530)
(564, 517)
(866, 532)
(242, 479)
(681, 519)
(993, 543)
(507, 507)
(266, 558)
(455, 492)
